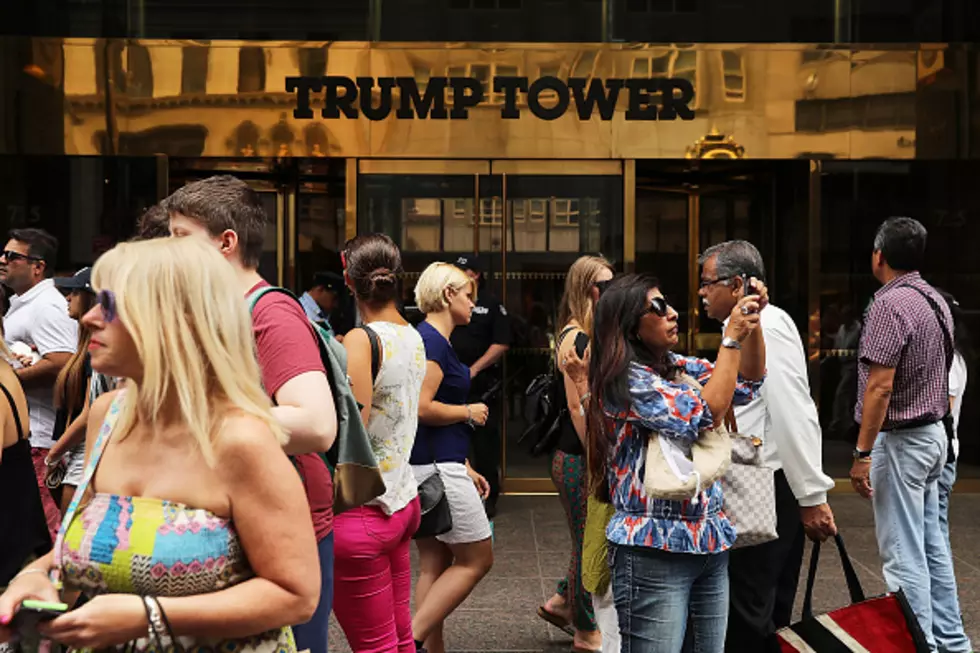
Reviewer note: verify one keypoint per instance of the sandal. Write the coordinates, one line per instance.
(556, 621)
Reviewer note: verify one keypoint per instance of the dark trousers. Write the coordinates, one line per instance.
(486, 444)
(763, 579)
(313, 635)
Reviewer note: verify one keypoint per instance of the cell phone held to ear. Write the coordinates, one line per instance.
(31, 613)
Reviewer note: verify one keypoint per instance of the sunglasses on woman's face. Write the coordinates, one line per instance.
(602, 285)
(107, 302)
(658, 306)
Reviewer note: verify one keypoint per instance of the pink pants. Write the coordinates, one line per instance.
(52, 513)
(373, 578)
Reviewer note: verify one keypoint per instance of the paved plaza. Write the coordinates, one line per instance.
(532, 544)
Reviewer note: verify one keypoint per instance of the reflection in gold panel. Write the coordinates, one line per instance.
(228, 98)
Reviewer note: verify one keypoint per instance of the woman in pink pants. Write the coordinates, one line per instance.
(372, 573)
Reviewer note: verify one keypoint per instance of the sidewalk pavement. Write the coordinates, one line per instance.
(531, 554)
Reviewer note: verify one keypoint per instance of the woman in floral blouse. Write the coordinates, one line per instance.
(669, 558)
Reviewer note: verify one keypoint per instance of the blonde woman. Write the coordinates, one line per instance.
(178, 519)
(22, 522)
(571, 604)
(451, 564)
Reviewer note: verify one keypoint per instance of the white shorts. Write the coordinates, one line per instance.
(74, 465)
(470, 523)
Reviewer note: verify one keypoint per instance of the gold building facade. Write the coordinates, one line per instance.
(801, 148)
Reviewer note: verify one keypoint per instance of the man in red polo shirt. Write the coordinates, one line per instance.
(228, 213)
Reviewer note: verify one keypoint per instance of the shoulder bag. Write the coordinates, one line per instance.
(749, 491)
(671, 474)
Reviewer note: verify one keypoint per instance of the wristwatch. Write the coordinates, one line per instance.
(731, 343)
(861, 455)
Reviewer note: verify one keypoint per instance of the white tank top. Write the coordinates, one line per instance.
(395, 411)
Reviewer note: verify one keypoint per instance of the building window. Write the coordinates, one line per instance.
(733, 72)
(669, 62)
(312, 62)
(194, 70)
(505, 5)
(884, 111)
(251, 70)
(662, 6)
(139, 72)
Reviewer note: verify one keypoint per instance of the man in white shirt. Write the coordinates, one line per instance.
(38, 318)
(763, 579)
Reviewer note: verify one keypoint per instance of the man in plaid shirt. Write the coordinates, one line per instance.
(903, 395)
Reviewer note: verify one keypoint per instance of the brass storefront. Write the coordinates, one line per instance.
(530, 191)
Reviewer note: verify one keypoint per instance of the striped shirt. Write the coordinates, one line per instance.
(901, 332)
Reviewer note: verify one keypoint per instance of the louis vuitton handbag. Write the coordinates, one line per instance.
(749, 490)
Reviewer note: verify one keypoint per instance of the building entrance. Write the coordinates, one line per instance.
(528, 221)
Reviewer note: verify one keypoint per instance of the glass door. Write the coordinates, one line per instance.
(528, 221)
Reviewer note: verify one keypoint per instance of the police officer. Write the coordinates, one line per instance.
(323, 301)
(481, 345)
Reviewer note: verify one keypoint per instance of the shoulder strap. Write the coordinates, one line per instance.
(375, 351)
(254, 297)
(13, 407)
(112, 416)
(947, 338)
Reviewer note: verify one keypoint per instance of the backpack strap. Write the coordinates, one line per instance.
(375, 341)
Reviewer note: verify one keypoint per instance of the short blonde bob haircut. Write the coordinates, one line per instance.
(180, 302)
(430, 291)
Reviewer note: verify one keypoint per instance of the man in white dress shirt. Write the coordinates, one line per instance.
(763, 579)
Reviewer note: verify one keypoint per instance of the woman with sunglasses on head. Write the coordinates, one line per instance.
(372, 572)
(450, 564)
(176, 528)
(571, 605)
(670, 562)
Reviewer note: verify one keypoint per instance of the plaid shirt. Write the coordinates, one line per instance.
(901, 332)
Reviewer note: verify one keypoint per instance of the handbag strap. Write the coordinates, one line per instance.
(730, 423)
(112, 416)
(853, 582)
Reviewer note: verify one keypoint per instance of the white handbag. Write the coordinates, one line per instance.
(673, 475)
(749, 491)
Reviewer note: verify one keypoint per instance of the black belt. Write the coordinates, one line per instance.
(913, 424)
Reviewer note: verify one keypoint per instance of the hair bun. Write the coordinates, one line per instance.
(382, 277)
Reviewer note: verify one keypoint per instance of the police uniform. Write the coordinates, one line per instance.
(489, 325)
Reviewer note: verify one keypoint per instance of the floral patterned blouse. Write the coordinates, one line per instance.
(672, 409)
(394, 415)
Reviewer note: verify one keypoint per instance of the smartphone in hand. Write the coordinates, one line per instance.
(31, 613)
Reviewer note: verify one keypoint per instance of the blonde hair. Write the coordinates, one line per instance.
(430, 289)
(576, 303)
(180, 302)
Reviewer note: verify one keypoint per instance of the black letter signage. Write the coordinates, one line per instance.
(351, 98)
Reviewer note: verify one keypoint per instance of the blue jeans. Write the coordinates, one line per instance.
(313, 635)
(946, 480)
(905, 469)
(658, 593)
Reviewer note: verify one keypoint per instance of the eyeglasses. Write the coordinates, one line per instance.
(659, 306)
(107, 302)
(602, 285)
(710, 282)
(11, 255)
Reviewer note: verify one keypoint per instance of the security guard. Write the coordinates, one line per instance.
(322, 301)
(481, 345)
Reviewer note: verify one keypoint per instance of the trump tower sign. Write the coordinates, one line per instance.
(648, 99)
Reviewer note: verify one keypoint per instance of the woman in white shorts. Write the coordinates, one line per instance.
(72, 392)
(451, 564)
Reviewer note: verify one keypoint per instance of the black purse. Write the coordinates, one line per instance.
(437, 518)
